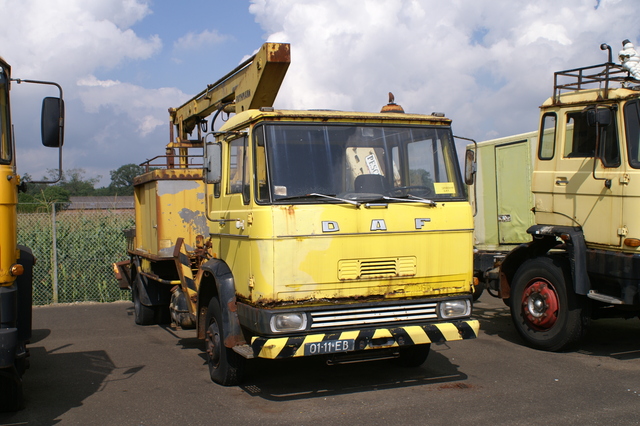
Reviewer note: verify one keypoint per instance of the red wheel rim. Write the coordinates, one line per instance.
(540, 304)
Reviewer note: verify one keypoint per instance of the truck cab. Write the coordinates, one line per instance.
(584, 258)
(314, 206)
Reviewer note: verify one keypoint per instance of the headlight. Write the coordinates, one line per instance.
(288, 322)
(455, 308)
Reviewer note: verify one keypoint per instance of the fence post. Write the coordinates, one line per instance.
(54, 253)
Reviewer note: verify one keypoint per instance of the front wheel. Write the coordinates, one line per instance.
(544, 308)
(226, 367)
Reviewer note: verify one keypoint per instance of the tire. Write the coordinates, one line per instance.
(144, 315)
(478, 290)
(413, 356)
(546, 312)
(226, 367)
(11, 386)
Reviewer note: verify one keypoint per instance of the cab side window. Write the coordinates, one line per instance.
(548, 138)
(581, 139)
(238, 172)
(632, 128)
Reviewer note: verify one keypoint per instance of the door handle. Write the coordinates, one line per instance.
(562, 181)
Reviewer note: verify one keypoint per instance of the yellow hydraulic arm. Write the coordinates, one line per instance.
(251, 85)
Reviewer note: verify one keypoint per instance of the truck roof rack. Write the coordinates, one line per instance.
(591, 77)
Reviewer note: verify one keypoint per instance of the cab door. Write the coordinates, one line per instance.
(230, 211)
(587, 191)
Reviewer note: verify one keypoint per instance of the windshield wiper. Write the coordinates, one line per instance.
(315, 194)
(413, 199)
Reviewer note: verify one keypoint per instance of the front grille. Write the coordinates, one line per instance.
(352, 269)
(373, 315)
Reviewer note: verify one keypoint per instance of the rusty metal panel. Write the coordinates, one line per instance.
(146, 239)
(180, 212)
(167, 208)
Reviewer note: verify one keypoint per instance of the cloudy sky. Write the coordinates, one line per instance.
(487, 64)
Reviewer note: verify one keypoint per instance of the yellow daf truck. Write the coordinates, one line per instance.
(302, 233)
(582, 258)
(16, 262)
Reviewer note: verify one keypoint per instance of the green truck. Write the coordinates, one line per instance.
(503, 201)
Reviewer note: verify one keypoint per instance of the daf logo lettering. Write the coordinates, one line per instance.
(378, 225)
(330, 226)
(420, 223)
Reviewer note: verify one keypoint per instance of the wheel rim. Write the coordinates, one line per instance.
(213, 344)
(540, 304)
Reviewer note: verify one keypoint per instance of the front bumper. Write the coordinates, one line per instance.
(369, 338)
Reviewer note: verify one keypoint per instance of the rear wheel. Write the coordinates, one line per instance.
(544, 308)
(144, 315)
(413, 356)
(226, 367)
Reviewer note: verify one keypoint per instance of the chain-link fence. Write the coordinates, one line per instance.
(74, 252)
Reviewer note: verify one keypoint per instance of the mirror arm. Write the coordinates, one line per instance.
(50, 83)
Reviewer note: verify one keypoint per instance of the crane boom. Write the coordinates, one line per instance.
(253, 84)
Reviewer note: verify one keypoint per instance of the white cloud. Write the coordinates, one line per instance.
(92, 81)
(69, 41)
(147, 108)
(64, 38)
(488, 64)
(193, 41)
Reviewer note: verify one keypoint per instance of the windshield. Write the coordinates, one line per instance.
(5, 139)
(303, 163)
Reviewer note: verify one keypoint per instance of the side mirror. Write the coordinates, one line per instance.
(52, 122)
(470, 167)
(212, 162)
(598, 116)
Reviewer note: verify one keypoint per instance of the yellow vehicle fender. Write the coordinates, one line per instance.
(216, 280)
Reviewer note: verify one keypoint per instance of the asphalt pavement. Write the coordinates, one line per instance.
(91, 365)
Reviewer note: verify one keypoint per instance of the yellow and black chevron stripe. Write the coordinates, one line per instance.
(287, 347)
(183, 263)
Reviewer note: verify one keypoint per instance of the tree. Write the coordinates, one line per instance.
(73, 181)
(122, 179)
(38, 198)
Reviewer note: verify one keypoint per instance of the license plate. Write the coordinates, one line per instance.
(329, 347)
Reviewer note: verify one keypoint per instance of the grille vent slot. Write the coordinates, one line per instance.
(352, 269)
(374, 315)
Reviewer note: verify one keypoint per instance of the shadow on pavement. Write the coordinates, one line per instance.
(311, 377)
(305, 378)
(64, 380)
